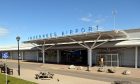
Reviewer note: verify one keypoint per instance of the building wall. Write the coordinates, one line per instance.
(14, 54)
(127, 57)
(30, 55)
(27, 55)
(51, 56)
(94, 57)
(11, 55)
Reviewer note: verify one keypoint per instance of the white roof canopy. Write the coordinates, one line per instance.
(15, 47)
(128, 43)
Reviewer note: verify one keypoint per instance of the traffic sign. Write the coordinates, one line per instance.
(5, 55)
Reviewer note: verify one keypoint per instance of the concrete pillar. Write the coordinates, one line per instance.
(111, 59)
(37, 56)
(136, 57)
(58, 56)
(43, 53)
(118, 60)
(22, 54)
(89, 57)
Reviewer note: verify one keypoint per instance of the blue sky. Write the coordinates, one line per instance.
(36, 17)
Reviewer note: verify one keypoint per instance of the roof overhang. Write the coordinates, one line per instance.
(81, 37)
(15, 48)
(128, 43)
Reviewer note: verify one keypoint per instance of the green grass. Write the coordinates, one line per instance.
(13, 80)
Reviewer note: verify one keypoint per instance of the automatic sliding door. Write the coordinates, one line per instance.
(109, 59)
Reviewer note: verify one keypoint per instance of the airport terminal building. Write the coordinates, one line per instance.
(117, 48)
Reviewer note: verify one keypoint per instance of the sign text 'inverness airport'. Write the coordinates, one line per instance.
(64, 33)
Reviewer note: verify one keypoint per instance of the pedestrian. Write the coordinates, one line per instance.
(101, 61)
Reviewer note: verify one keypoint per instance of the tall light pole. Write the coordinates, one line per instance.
(114, 18)
(18, 38)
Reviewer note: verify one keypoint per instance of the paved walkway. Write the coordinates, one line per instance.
(28, 74)
(135, 72)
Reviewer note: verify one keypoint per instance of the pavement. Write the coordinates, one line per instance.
(135, 73)
(29, 69)
(28, 74)
(72, 76)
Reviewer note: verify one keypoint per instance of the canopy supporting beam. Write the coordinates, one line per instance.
(95, 41)
(79, 43)
(43, 50)
(86, 44)
(49, 47)
(99, 44)
(36, 46)
(90, 48)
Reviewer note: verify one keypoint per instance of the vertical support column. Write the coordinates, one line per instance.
(22, 54)
(43, 53)
(89, 57)
(111, 59)
(136, 56)
(58, 56)
(117, 60)
(37, 56)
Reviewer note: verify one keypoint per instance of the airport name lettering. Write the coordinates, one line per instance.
(63, 33)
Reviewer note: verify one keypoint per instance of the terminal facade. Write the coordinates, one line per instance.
(117, 48)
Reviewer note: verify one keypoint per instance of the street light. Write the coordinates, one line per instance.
(18, 38)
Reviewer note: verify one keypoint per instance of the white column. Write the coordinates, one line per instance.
(22, 54)
(117, 60)
(37, 56)
(136, 57)
(58, 56)
(111, 59)
(43, 52)
(89, 57)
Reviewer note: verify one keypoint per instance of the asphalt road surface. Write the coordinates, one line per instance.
(87, 75)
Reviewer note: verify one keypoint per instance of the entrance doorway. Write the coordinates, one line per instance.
(77, 57)
(109, 59)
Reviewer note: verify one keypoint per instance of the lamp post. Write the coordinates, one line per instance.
(18, 38)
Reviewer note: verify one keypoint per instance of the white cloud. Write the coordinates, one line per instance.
(3, 31)
(99, 21)
(86, 18)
